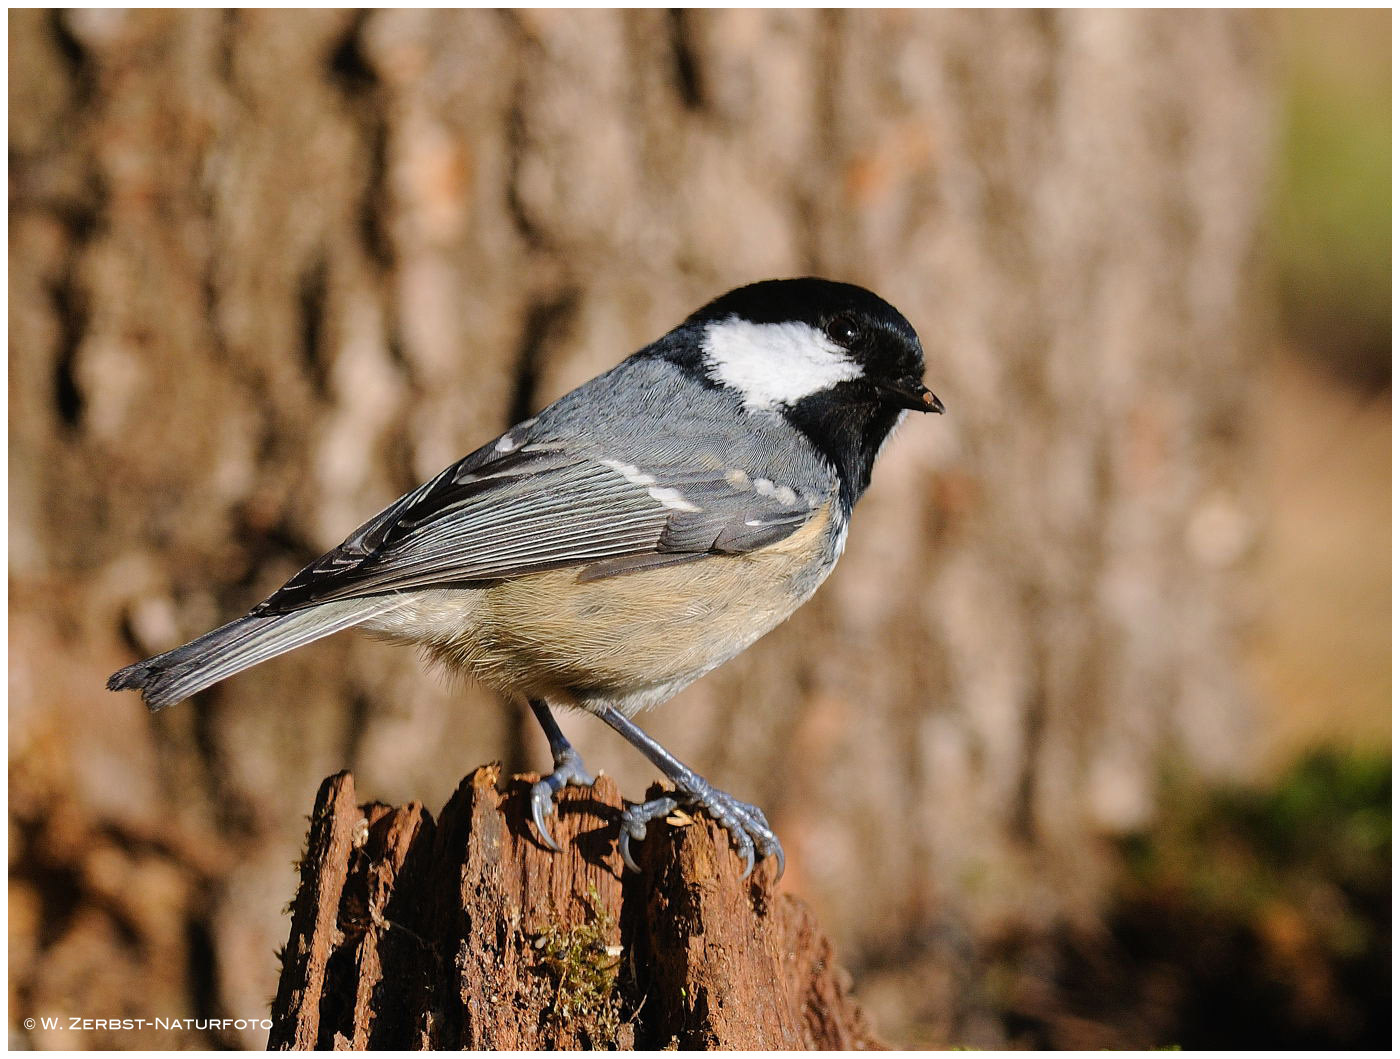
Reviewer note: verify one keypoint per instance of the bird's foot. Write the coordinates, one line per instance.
(746, 824)
(568, 771)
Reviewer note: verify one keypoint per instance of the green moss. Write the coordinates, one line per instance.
(583, 966)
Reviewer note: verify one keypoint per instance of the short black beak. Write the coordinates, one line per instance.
(912, 394)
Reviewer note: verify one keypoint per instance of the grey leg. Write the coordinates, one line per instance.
(745, 823)
(568, 769)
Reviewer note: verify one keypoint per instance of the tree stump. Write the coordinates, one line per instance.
(467, 932)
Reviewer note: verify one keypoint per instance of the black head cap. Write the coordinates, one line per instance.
(841, 363)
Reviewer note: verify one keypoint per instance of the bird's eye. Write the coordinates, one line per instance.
(843, 330)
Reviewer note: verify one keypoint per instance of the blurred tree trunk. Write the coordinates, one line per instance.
(270, 269)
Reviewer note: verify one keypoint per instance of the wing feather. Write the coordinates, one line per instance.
(509, 510)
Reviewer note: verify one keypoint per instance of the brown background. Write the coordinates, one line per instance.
(270, 270)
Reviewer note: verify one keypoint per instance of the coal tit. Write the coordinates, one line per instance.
(637, 533)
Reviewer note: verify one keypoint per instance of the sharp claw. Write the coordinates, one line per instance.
(633, 825)
(568, 772)
(746, 851)
(748, 865)
(623, 847)
(540, 807)
(748, 828)
(549, 841)
(546, 837)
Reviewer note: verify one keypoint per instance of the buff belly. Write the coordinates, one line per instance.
(630, 641)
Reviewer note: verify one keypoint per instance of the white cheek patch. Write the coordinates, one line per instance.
(774, 364)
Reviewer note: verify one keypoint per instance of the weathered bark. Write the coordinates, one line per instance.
(271, 269)
(469, 933)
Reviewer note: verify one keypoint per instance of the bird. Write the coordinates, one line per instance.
(643, 529)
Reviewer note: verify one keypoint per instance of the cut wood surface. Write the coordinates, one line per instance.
(466, 932)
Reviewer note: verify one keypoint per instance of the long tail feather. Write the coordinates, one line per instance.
(177, 674)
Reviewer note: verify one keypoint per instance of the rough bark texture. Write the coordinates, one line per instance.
(470, 934)
(270, 269)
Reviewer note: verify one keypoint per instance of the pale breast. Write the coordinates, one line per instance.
(638, 638)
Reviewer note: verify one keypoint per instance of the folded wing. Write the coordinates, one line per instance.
(518, 506)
